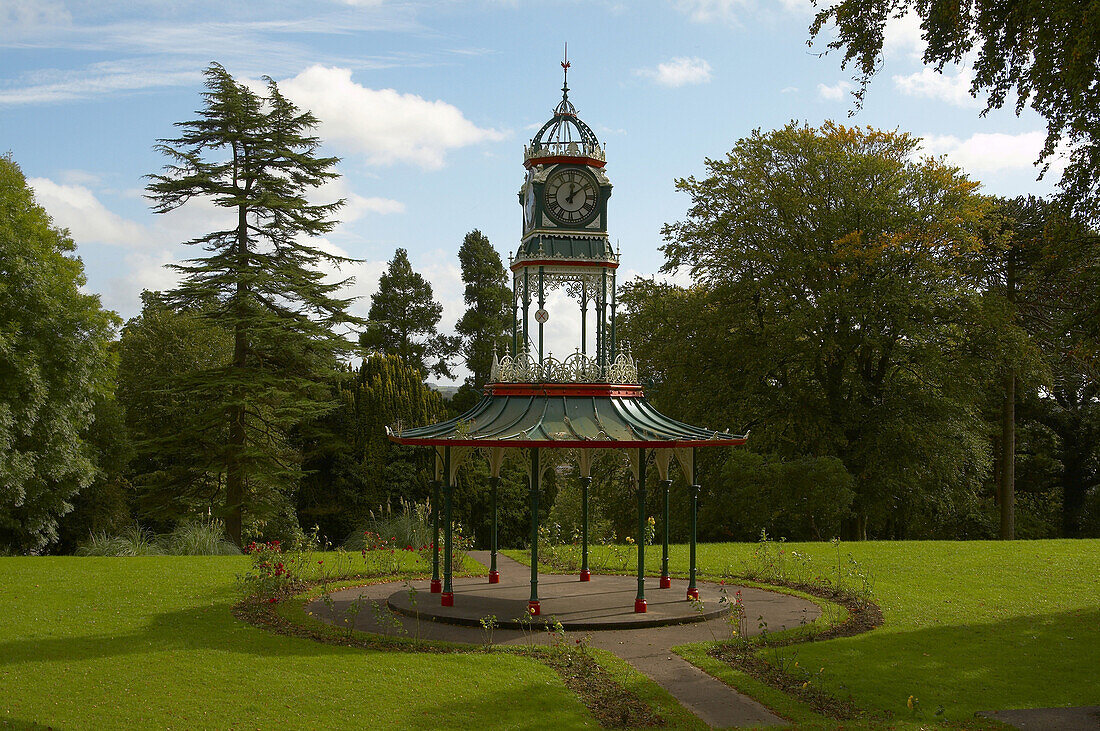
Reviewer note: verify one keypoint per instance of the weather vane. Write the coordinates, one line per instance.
(565, 70)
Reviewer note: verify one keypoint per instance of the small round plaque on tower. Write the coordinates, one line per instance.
(542, 316)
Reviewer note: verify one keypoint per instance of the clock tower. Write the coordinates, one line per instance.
(536, 405)
(564, 243)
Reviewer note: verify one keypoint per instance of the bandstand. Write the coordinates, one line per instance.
(541, 410)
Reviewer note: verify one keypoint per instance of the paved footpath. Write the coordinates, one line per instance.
(648, 650)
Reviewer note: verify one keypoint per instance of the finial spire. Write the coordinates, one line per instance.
(565, 70)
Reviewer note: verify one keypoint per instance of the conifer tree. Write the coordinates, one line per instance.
(486, 322)
(403, 319)
(260, 279)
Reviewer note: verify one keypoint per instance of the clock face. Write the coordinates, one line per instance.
(571, 196)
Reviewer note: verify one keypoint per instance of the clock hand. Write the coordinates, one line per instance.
(573, 190)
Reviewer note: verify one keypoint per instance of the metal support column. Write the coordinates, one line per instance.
(611, 351)
(586, 575)
(601, 321)
(639, 601)
(515, 323)
(447, 598)
(533, 607)
(692, 592)
(436, 585)
(526, 311)
(542, 305)
(666, 580)
(584, 317)
(494, 575)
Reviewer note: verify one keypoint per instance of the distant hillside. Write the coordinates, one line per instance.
(447, 391)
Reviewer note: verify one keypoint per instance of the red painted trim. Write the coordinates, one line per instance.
(494, 577)
(447, 599)
(571, 443)
(586, 575)
(564, 389)
(534, 608)
(437, 586)
(693, 594)
(563, 262)
(666, 582)
(639, 606)
(578, 159)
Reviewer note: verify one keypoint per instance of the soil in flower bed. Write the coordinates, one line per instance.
(611, 704)
(862, 617)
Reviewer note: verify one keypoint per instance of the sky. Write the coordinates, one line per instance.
(429, 104)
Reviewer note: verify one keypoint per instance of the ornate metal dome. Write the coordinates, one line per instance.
(565, 134)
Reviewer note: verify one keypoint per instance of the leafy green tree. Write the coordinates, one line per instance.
(1058, 308)
(831, 314)
(160, 351)
(261, 280)
(403, 319)
(106, 505)
(802, 499)
(54, 364)
(1045, 52)
(487, 321)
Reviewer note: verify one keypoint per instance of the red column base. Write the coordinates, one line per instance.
(666, 582)
(693, 594)
(586, 575)
(494, 577)
(447, 599)
(534, 608)
(639, 606)
(437, 586)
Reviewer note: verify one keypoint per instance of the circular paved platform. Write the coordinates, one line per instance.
(604, 603)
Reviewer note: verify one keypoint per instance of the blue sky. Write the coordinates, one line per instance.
(429, 104)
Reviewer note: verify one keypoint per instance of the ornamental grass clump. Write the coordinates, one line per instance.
(201, 537)
(133, 541)
(409, 525)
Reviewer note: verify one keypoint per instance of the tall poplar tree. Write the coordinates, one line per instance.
(260, 278)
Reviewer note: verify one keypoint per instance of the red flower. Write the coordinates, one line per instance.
(272, 600)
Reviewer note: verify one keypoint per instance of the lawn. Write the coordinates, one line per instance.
(151, 642)
(969, 626)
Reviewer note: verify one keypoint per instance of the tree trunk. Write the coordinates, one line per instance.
(1007, 487)
(1074, 485)
(235, 478)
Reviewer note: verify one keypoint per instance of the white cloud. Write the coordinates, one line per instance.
(25, 14)
(732, 11)
(902, 36)
(100, 78)
(834, 92)
(384, 125)
(141, 250)
(355, 206)
(76, 208)
(951, 88)
(679, 71)
(789, 90)
(991, 152)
